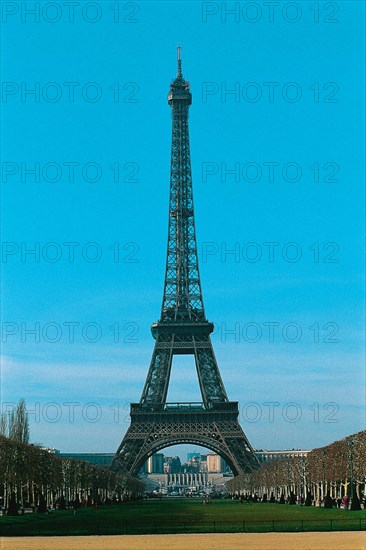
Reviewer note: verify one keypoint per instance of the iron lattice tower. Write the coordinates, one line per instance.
(183, 329)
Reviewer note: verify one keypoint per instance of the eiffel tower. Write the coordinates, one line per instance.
(183, 329)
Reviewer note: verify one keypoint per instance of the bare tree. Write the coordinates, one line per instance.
(19, 423)
(3, 424)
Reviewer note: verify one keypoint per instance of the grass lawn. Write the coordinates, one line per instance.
(183, 515)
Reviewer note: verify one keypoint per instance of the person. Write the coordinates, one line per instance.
(75, 507)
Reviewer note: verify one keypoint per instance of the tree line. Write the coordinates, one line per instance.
(336, 472)
(34, 477)
(31, 476)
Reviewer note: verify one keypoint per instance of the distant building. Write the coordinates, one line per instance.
(269, 456)
(184, 483)
(225, 468)
(155, 464)
(214, 463)
(193, 465)
(203, 463)
(196, 462)
(193, 455)
(99, 459)
(172, 465)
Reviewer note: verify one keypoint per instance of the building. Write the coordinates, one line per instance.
(155, 464)
(203, 463)
(214, 463)
(197, 463)
(270, 456)
(200, 483)
(172, 465)
(98, 459)
(193, 455)
(192, 465)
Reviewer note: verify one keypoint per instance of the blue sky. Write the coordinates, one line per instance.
(307, 286)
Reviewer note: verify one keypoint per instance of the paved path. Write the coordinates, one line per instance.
(351, 540)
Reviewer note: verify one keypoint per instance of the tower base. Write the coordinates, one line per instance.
(213, 425)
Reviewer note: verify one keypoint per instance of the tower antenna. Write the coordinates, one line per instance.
(179, 63)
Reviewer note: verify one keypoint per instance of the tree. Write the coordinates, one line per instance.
(308, 500)
(19, 423)
(292, 499)
(42, 505)
(62, 505)
(3, 424)
(328, 501)
(13, 507)
(355, 501)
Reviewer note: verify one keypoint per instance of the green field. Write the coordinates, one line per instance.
(183, 515)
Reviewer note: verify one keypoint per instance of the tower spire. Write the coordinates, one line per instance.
(179, 64)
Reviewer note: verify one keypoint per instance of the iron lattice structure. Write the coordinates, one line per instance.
(183, 329)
